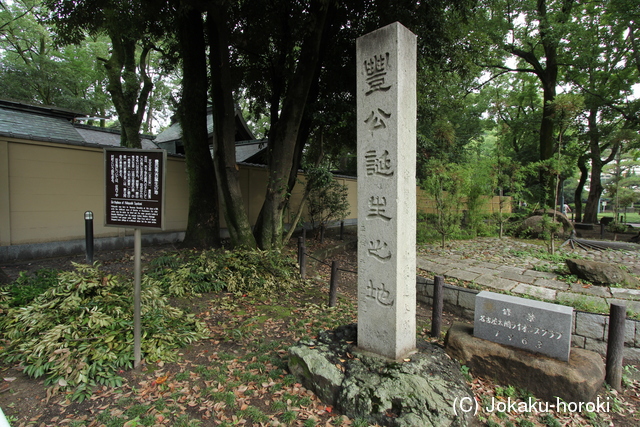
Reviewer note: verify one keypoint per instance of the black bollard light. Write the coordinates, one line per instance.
(88, 235)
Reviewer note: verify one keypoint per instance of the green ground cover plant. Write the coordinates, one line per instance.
(75, 328)
(27, 287)
(189, 272)
(79, 333)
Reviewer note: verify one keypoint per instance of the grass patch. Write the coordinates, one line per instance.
(585, 303)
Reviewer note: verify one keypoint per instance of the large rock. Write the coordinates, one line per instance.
(311, 364)
(575, 381)
(601, 273)
(534, 225)
(418, 392)
(560, 217)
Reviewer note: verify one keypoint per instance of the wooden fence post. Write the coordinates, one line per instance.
(438, 302)
(300, 246)
(333, 284)
(615, 346)
(303, 262)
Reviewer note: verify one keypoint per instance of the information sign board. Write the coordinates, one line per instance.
(134, 189)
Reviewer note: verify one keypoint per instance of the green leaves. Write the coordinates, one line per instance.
(238, 272)
(79, 332)
(328, 199)
(27, 287)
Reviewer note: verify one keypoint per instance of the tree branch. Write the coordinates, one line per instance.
(17, 17)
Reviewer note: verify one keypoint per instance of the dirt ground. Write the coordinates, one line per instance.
(28, 397)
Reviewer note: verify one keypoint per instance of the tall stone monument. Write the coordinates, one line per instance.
(386, 99)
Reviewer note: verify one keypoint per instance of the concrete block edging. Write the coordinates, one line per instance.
(589, 330)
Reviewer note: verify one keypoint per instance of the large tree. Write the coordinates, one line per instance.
(534, 32)
(284, 133)
(131, 27)
(33, 70)
(298, 60)
(203, 225)
(602, 69)
(222, 85)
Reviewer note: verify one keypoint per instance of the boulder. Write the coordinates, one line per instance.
(577, 380)
(420, 391)
(606, 220)
(316, 372)
(533, 226)
(560, 217)
(601, 273)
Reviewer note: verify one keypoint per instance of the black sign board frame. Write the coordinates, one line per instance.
(134, 188)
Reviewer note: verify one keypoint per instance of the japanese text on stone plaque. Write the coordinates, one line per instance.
(533, 335)
(375, 69)
(530, 325)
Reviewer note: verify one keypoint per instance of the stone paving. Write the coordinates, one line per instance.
(511, 265)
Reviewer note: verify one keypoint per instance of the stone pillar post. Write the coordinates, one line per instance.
(386, 99)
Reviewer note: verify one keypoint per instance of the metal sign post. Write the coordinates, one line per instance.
(134, 198)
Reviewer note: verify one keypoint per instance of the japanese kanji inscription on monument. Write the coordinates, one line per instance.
(536, 326)
(386, 97)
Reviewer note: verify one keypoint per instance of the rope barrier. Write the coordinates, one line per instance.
(333, 285)
(316, 259)
(328, 264)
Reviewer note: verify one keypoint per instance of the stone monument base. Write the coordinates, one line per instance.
(577, 380)
(419, 392)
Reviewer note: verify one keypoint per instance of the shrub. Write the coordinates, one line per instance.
(328, 199)
(79, 332)
(445, 186)
(235, 271)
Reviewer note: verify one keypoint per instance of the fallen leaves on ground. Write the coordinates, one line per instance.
(238, 376)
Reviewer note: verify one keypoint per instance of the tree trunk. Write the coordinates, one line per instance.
(284, 135)
(634, 44)
(224, 129)
(595, 187)
(203, 225)
(547, 125)
(124, 86)
(305, 195)
(595, 191)
(584, 174)
(550, 35)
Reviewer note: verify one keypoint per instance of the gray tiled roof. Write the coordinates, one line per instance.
(107, 137)
(174, 132)
(26, 125)
(245, 150)
(38, 123)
